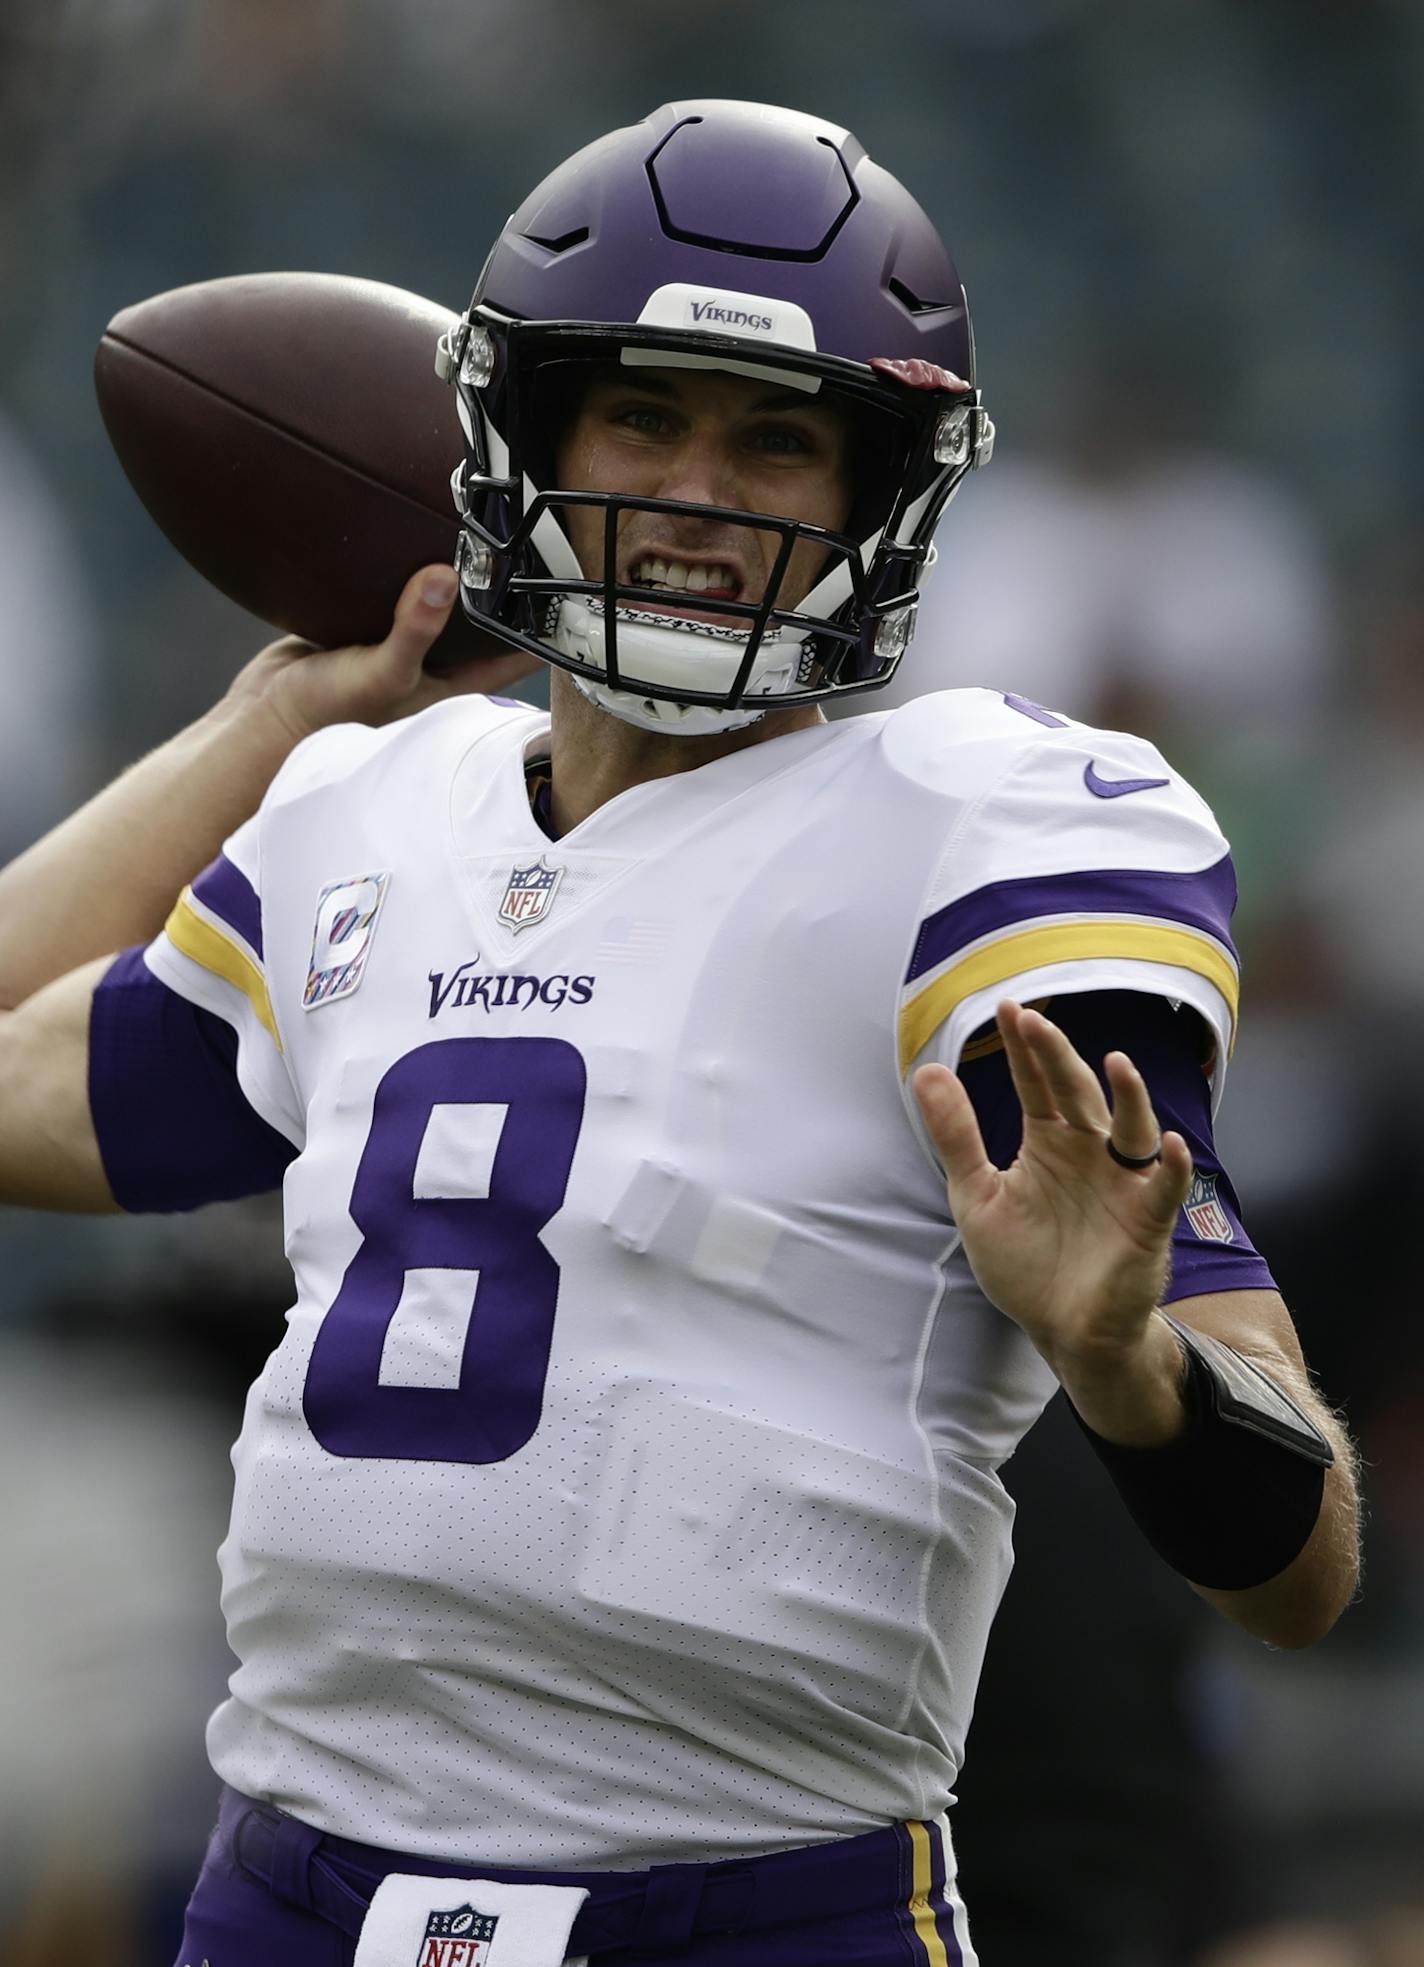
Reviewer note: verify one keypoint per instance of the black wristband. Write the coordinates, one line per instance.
(1231, 1501)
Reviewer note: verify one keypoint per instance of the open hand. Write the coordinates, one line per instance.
(1071, 1246)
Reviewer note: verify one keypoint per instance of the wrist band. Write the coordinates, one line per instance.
(1234, 1498)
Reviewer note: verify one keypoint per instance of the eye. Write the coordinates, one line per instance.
(783, 440)
(645, 418)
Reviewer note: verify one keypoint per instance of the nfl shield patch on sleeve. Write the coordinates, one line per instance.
(346, 913)
(1204, 1212)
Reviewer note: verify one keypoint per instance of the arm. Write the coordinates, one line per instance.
(1137, 1402)
(1075, 1249)
(49, 1153)
(1301, 1603)
(107, 877)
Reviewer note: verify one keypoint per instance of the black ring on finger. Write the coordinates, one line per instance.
(1133, 1160)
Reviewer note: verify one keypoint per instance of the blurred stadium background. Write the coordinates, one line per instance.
(1186, 230)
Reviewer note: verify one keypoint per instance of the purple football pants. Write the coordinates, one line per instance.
(275, 1893)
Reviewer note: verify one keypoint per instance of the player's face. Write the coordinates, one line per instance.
(711, 439)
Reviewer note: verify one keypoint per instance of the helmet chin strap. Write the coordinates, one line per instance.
(660, 652)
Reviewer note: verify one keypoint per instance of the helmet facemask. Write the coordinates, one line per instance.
(520, 382)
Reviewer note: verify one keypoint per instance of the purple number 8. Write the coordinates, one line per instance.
(495, 1408)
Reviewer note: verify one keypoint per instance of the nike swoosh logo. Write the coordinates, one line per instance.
(1115, 788)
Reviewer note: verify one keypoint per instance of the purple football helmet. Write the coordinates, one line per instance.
(747, 239)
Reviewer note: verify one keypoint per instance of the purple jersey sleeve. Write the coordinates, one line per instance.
(1211, 1250)
(173, 1126)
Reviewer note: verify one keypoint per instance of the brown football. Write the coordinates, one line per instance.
(289, 434)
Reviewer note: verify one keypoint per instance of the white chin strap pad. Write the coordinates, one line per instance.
(679, 720)
(655, 653)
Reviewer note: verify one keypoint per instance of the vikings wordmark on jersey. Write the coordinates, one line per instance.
(465, 986)
(637, 1410)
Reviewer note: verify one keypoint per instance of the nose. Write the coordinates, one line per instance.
(702, 470)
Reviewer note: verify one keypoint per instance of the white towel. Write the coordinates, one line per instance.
(467, 1922)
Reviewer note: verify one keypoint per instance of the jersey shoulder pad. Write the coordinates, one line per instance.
(1079, 861)
(341, 751)
(961, 741)
(1019, 773)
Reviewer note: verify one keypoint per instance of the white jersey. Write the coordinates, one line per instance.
(624, 1489)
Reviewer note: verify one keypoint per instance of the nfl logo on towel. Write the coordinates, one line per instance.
(1205, 1213)
(346, 913)
(457, 1939)
(530, 894)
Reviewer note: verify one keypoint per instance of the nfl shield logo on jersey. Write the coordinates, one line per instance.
(1205, 1213)
(346, 914)
(457, 1939)
(529, 894)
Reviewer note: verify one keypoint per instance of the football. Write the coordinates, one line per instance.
(290, 436)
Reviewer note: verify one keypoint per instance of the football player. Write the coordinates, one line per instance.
(708, 1133)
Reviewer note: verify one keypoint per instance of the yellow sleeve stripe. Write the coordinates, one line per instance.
(921, 1911)
(209, 947)
(1064, 942)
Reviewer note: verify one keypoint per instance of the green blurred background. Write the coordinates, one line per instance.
(1190, 234)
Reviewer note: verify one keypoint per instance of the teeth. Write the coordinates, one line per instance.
(677, 575)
